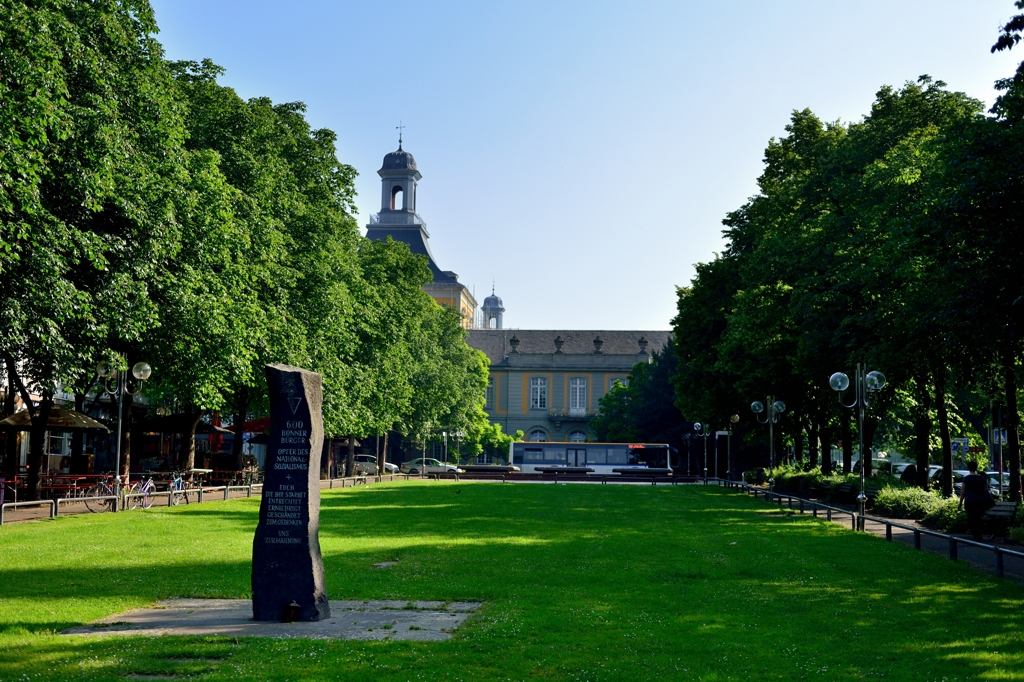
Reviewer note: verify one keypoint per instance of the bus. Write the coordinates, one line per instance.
(601, 457)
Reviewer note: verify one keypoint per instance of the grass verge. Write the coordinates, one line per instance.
(580, 583)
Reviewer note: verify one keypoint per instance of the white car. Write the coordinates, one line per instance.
(366, 465)
(430, 466)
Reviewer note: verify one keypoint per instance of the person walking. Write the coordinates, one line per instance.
(975, 499)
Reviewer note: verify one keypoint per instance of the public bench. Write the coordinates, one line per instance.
(998, 518)
(872, 492)
(842, 492)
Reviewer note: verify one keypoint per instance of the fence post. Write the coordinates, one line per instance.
(853, 521)
(814, 509)
(952, 548)
(917, 539)
(828, 513)
(226, 491)
(53, 509)
(248, 492)
(888, 532)
(200, 495)
(999, 562)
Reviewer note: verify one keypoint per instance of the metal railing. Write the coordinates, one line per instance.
(857, 522)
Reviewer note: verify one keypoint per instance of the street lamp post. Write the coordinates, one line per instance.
(864, 382)
(728, 446)
(775, 408)
(702, 430)
(141, 371)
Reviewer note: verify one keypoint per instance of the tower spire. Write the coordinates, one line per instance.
(399, 129)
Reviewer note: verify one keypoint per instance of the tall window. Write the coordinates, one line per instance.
(577, 396)
(617, 380)
(489, 399)
(538, 436)
(539, 393)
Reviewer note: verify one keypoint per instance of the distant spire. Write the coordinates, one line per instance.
(492, 287)
(399, 129)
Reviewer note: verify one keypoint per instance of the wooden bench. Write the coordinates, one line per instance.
(843, 492)
(998, 518)
(872, 492)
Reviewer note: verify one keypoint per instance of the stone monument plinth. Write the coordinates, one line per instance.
(287, 569)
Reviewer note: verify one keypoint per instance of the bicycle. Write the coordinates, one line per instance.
(101, 489)
(179, 489)
(146, 489)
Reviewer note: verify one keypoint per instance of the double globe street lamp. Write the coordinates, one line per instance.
(775, 409)
(115, 382)
(864, 383)
(702, 430)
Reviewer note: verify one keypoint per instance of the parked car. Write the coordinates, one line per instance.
(993, 483)
(366, 465)
(430, 466)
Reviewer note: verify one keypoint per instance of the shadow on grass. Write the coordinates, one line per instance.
(634, 576)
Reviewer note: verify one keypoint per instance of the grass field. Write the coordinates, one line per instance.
(579, 583)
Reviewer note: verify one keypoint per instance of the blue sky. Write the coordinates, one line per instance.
(581, 155)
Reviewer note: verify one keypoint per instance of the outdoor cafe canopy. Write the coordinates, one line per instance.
(61, 419)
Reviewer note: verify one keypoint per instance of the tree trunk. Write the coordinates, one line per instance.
(947, 451)
(870, 426)
(78, 463)
(37, 447)
(241, 412)
(847, 436)
(10, 452)
(812, 445)
(798, 444)
(126, 437)
(350, 457)
(922, 432)
(1011, 419)
(825, 433)
(383, 456)
(187, 459)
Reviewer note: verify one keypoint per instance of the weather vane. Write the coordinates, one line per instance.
(399, 129)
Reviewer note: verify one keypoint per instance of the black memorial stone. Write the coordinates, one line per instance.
(287, 569)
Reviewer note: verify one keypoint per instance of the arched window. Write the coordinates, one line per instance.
(539, 393)
(538, 436)
(397, 198)
(577, 437)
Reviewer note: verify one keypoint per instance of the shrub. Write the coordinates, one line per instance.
(906, 503)
(946, 517)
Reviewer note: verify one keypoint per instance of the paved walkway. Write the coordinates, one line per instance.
(373, 619)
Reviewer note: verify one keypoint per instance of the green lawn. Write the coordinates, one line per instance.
(579, 583)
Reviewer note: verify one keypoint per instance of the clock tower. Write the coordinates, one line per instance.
(398, 219)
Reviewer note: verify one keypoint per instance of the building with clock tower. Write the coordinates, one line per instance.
(398, 219)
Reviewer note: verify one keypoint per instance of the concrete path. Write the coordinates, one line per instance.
(374, 619)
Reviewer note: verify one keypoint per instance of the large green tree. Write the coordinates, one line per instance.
(91, 170)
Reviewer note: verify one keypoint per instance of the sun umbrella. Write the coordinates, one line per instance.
(61, 419)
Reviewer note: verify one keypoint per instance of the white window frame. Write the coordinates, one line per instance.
(539, 393)
(489, 394)
(577, 396)
(573, 433)
(533, 432)
(622, 380)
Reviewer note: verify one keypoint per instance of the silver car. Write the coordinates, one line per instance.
(430, 466)
(366, 465)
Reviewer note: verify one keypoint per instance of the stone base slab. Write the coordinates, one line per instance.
(373, 619)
